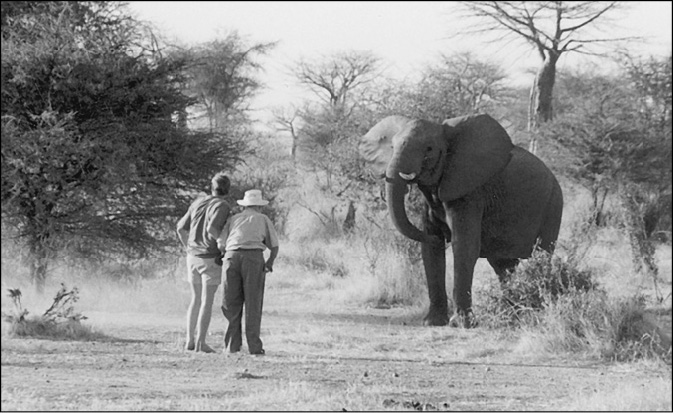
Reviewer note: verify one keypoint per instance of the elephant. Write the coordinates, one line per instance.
(484, 195)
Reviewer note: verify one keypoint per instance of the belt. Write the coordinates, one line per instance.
(207, 255)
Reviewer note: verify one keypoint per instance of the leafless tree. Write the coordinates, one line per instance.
(552, 28)
(286, 120)
(333, 78)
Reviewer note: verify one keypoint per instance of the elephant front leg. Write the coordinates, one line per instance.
(434, 262)
(464, 219)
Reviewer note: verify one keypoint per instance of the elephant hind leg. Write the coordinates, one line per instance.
(503, 267)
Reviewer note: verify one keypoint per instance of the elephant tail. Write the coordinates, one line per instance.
(551, 223)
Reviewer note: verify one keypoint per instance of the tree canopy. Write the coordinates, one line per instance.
(552, 28)
(94, 158)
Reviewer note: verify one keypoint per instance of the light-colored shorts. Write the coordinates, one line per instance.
(203, 271)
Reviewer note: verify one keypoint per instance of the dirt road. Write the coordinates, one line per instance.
(326, 359)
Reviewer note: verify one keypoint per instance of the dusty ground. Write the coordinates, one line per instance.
(324, 358)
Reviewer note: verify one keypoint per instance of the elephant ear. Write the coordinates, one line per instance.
(376, 147)
(478, 148)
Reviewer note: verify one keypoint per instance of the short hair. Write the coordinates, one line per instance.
(220, 184)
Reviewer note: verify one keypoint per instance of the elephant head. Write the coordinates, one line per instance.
(451, 159)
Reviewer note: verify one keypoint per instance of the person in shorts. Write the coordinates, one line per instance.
(244, 238)
(198, 230)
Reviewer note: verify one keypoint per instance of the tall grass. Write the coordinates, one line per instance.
(594, 325)
(374, 270)
(376, 266)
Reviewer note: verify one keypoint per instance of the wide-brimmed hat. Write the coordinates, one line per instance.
(252, 197)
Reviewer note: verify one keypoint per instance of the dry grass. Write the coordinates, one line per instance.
(284, 396)
(643, 397)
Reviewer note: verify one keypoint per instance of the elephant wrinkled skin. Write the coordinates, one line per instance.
(487, 197)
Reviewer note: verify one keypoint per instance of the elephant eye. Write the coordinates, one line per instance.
(428, 149)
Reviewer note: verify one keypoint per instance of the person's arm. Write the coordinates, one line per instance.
(183, 229)
(218, 220)
(271, 241)
(222, 238)
(268, 266)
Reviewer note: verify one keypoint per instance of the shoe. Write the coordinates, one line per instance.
(258, 353)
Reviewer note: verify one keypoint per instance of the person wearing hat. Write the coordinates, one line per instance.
(198, 230)
(243, 239)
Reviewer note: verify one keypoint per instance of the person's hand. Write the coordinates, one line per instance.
(268, 267)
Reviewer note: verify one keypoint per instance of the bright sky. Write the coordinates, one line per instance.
(405, 34)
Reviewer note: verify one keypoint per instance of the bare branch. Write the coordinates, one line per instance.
(331, 80)
(591, 19)
(540, 23)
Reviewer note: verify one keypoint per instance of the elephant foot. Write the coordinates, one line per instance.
(436, 318)
(463, 319)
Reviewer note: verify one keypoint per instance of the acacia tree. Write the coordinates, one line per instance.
(333, 79)
(94, 160)
(468, 84)
(552, 28)
(219, 76)
(454, 85)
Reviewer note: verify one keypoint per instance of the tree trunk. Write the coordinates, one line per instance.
(38, 265)
(598, 194)
(642, 247)
(540, 105)
(293, 151)
(349, 222)
(182, 119)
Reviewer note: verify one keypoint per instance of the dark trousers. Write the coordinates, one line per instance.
(243, 286)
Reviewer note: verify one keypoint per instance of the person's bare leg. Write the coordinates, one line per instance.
(207, 300)
(193, 315)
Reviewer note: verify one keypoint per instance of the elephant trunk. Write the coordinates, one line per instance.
(396, 189)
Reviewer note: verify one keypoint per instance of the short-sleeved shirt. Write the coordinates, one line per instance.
(204, 220)
(248, 230)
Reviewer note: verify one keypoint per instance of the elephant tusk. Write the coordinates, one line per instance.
(408, 177)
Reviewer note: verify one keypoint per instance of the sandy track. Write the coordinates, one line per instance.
(370, 355)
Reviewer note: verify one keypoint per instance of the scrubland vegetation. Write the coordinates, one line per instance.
(586, 299)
